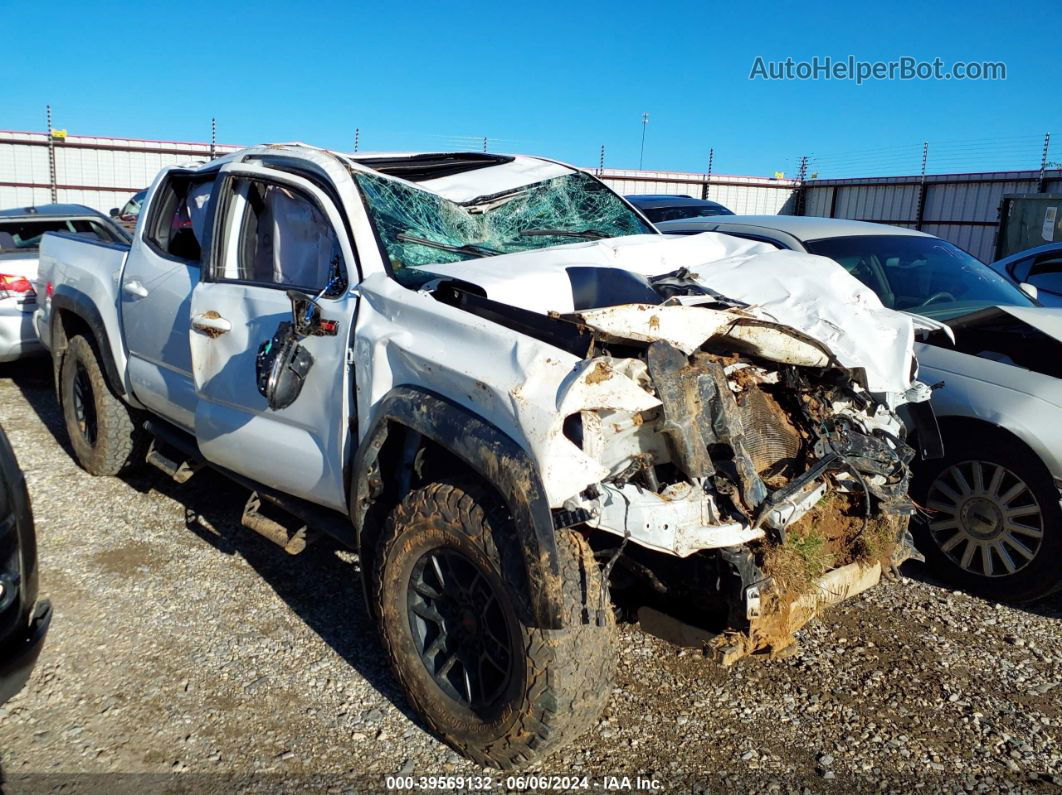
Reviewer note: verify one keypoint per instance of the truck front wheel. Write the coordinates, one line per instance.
(100, 426)
(453, 610)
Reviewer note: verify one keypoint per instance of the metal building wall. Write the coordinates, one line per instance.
(743, 195)
(961, 208)
(98, 172)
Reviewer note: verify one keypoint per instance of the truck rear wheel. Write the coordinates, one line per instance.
(100, 426)
(453, 610)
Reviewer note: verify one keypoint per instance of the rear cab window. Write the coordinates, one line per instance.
(177, 224)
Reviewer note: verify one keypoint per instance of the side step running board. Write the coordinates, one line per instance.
(180, 471)
(294, 539)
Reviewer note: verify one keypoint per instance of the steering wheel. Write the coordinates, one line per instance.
(941, 296)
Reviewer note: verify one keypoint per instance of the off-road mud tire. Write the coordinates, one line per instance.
(116, 439)
(563, 677)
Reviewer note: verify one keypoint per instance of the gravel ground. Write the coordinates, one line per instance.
(187, 652)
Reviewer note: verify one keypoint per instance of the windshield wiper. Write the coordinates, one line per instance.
(589, 234)
(467, 248)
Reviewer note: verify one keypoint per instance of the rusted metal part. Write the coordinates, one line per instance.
(700, 411)
(293, 541)
(728, 429)
(493, 456)
(772, 633)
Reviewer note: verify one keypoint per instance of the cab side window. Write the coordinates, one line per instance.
(277, 236)
(179, 212)
(1046, 273)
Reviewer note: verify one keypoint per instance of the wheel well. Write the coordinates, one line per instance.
(69, 324)
(969, 427)
(407, 460)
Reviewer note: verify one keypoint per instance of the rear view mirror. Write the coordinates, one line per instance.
(1030, 290)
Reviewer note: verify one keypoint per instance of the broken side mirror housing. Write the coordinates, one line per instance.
(305, 314)
(281, 367)
(283, 363)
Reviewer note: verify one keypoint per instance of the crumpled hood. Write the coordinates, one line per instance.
(810, 294)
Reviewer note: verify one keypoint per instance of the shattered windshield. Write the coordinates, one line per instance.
(419, 227)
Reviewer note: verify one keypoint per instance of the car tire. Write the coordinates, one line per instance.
(102, 429)
(449, 587)
(994, 525)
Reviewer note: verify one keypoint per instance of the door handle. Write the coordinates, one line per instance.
(135, 288)
(211, 323)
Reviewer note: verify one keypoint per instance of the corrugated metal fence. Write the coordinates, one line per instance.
(743, 195)
(98, 172)
(963, 208)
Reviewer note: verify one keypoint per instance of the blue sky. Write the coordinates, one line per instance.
(552, 78)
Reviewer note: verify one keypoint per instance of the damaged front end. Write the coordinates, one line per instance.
(766, 483)
(719, 417)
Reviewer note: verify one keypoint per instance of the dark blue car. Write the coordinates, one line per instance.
(1039, 267)
(659, 208)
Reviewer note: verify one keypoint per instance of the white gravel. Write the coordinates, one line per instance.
(188, 652)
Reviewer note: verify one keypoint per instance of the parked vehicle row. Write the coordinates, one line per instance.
(992, 519)
(665, 207)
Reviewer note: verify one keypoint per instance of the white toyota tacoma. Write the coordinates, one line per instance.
(526, 410)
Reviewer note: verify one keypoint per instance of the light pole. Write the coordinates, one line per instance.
(641, 154)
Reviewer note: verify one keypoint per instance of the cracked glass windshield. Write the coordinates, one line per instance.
(422, 228)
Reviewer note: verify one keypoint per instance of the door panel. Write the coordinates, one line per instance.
(298, 449)
(155, 300)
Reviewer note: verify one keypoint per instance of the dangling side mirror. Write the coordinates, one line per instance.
(283, 363)
(281, 367)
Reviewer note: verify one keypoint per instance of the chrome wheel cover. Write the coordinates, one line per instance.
(985, 518)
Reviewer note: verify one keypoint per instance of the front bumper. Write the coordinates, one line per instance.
(19, 655)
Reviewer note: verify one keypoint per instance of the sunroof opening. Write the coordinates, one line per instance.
(417, 168)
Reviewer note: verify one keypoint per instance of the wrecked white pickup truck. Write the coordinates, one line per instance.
(492, 378)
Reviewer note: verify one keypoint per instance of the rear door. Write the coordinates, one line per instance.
(163, 267)
(273, 232)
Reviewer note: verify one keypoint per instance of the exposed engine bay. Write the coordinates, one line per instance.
(738, 470)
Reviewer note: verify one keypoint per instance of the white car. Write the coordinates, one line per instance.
(21, 230)
(993, 521)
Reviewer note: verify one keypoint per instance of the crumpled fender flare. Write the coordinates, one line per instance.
(490, 453)
(79, 304)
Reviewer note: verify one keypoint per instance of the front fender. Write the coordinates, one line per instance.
(494, 456)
